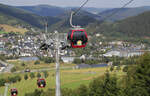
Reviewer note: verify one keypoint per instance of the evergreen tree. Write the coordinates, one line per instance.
(35, 93)
(32, 75)
(38, 75)
(111, 68)
(141, 77)
(106, 87)
(82, 91)
(67, 92)
(18, 78)
(96, 87)
(110, 87)
(25, 77)
(125, 69)
(37, 62)
(51, 92)
(23, 64)
(2, 82)
(45, 74)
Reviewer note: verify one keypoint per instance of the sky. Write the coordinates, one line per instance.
(73, 3)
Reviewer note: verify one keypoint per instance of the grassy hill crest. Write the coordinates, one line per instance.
(8, 28)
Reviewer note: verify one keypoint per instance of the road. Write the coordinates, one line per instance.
(7, 68)
(41, 70)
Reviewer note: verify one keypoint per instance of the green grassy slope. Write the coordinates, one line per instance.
(69, 79)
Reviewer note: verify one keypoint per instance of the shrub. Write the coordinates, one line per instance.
(38, 75)
(32, 75)
(111, 68)
(45, 74)
(37, 62)
(2, 82)
(13, 69)
(25, 77)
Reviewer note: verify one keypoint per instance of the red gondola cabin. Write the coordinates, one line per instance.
(41, 83)
(77, 38)
(14, 92)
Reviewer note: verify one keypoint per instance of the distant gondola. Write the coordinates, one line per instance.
(14, 92)
(77, 38)
(41, 83)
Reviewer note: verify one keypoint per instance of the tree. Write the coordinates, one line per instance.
(32, 75)
(82, 90)
(96, 87)
(13, 69)
(125, 69)
(2, 57)
(38, 75)
(110, 86)
(18, 78)
(52, 93)
(25, 76)
(23, 64)
(37, 62)
(45, 74)
(116, 63)
(77, 61)
(140, 77)
(2, 82)
(12, 79)
(35, 93)
(106, 87)
(67, 92)
(118, 68)
(49, 60)
(111, 68)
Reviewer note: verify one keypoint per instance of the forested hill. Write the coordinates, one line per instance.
(44, 10)
(137, 26)
(12, 16)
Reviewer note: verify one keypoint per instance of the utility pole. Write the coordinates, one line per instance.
(6, 89)
(58, 92)
(44, 35)
(46, 25)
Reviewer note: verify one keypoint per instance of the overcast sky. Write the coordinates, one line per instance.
(68, 3)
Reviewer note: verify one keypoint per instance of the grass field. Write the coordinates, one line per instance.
(8, 28)
(69, 79)
(31, 65)
(2, 32)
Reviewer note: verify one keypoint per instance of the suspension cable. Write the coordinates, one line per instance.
(75, 12)
(116, 10)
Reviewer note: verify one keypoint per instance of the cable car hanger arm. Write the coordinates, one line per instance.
(72, 13)
(75, 12)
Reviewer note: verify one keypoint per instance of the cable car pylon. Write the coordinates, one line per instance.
(58, 90)
(6, 89)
